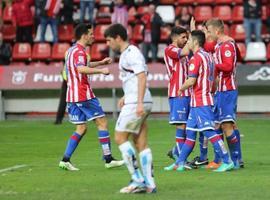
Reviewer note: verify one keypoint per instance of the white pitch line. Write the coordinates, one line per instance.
(12, 168)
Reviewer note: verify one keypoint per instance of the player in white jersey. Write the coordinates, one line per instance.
(135, 108)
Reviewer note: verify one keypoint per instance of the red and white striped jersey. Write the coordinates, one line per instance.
(177, 69)
(225, 64)
(201, 66)
(79, 88)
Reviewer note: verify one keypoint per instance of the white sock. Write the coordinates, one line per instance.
(146, 161)
(129, 156)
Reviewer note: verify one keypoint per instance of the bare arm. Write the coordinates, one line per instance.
(141, 91)
(105, 61)
(89, 70)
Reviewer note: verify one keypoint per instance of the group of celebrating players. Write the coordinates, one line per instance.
(202, 95)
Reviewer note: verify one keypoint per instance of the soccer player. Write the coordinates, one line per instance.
(136, 105)
(201, 116)
(225, 66)
(176, 60)
(82, 104)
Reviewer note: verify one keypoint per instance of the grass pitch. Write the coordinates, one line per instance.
(39, 145)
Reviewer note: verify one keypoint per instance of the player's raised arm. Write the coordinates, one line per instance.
(105, 61)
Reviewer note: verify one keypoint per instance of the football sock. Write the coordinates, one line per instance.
(187, 147)
(71, 146)
(129, 156)
(180, 140)
(217, 158)
(218, 145)
(104, 140)
(146, 161)
(237, 133)
(233, 147)
(203, 146)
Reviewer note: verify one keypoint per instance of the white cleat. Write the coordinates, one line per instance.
(133, 188)
(67, 166)
(114, 163)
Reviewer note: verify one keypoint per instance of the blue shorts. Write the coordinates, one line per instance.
(215, 109)
(226, 103)
(179, 109)
(201, 119)
(81, 112)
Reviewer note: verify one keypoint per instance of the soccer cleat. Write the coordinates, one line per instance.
(114, 163)
(180, 168)
(188, 166)
(225, 167)
(133, 188)
(196, 162)
(67, 166)
(171, 167)
(241, 164)
(212, 165)
(171, 155)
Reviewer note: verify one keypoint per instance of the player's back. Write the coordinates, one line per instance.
(78, 84)
(202, 67)
(131, 63)
(177, 69)
(226, 57)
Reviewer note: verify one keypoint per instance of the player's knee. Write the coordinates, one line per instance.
(119, 139)
(102, 123)
(81, 130)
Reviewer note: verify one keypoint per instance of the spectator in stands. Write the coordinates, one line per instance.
(120, 13)
(49, 14)
(91, 6)
(252, 19)
(183, 19)
(268, 16)
(67, 12)
(152, 23)
(5, 52)
(22, 18)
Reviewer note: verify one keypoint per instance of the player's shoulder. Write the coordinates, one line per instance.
(229, 44)
(172, 48)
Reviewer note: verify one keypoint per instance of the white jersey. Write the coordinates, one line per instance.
(131, 63)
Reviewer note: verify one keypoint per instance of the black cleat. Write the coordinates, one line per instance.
(196, 162)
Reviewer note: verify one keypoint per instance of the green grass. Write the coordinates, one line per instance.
(40, 145)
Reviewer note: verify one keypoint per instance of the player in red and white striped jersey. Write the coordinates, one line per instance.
(82, 104)
(226, 53)
(176, 60)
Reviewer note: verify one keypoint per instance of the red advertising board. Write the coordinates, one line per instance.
(49, 77)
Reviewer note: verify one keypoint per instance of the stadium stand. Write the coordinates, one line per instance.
(7, 14)
(41, 52)
(237, 14)
(223, 12)
(21, 52)
(203, 13)
(58, 50)
(9, 32)
(65, 33)
(98, 51)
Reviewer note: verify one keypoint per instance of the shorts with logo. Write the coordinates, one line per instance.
(81, 112)
(179, 109)
(226, 105)
(128, 121)
(201, 119)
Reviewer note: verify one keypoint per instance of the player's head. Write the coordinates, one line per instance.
(215, 28)
(115, 35)
(196, 40)
(179, 36)
(84, 33)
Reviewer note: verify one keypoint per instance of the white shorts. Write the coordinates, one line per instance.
(128, 121)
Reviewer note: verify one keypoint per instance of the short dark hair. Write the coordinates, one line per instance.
(115, 30)
(199, 36)
(81, 29)
(177, 30)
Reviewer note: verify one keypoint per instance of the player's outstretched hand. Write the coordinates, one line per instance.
(105, 71)
(192, 24)
(106, 61)
(140, 110)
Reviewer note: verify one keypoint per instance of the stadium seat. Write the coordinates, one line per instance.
(224, 2)
(99, 51)
(166, 13)
(226, 29)
(65, 33)
(237, 32)
(21, 51)
(9, 32)
(242, 49)
(59, 50)
(256, 51)
(131, 14)
(137, 34)
(41, 51)
(103, 15)
(167, 2)
(237, 14)
(223, 12)
(164, 34)
(7, 14)
(204, 2)
(99, 32)
(186, 2)
(268, 51)
(202, 13)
